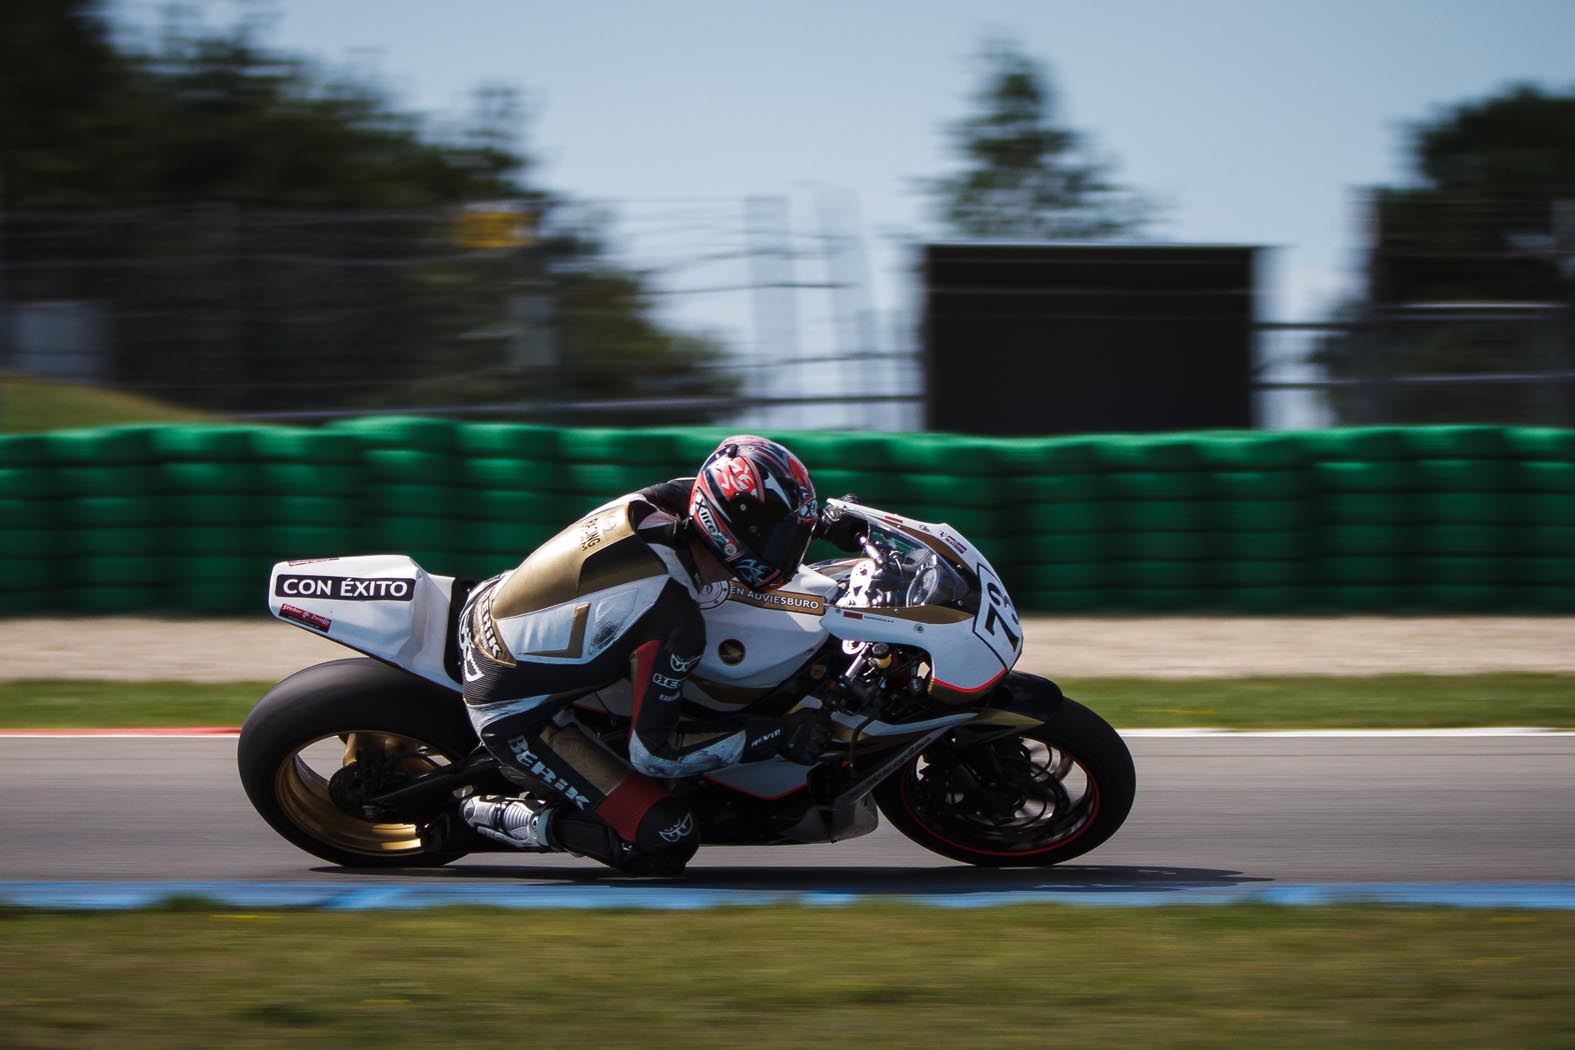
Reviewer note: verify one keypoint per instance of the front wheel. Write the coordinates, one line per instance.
(328, 737)
(1052, 793)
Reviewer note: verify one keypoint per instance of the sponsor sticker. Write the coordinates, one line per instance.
(310, 619)
(345, 588)
(785, 601)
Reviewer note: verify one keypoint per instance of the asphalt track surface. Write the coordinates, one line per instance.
(1212, 813)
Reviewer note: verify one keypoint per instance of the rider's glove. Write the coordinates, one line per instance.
(806, 735)
(840, 529)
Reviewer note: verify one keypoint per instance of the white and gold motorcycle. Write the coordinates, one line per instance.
(910, 648)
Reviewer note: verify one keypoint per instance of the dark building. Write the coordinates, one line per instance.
(1058, 339)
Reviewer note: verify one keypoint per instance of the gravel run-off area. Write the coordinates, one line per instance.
(144, 649)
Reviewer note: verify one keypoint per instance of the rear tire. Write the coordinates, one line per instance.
(318, 737)
(1053, 793)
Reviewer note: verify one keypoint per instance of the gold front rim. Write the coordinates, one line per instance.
(301, 787)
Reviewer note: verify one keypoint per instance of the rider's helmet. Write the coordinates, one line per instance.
(753, 506)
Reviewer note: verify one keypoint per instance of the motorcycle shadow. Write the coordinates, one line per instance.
(953, 880)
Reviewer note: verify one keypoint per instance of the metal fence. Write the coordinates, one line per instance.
(299, 316)
(274, 315)
(1504, 363)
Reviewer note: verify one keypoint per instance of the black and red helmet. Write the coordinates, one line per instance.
(754, 506)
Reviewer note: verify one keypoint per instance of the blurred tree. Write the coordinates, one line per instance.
(215, 118)
(1026, 176)
(275, 223)
(62, 86)
(1477, 222)
(1466, 274)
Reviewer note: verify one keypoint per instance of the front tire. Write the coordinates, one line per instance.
(324, 736)
(1052, 793)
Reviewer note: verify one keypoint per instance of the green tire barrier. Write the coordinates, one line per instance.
(309, 479)
(406, 433)
(203, 444)
(29, 483)
(519, 474)
(1162, 545)
(602, 446)
(304, 446)
(534, 508)
(110, 446)
(397, 466)
(507, 441)
(109, 543)
(25, 450)
(123, 479)
(382, 500)
(874, 486)
(29, 544)
(190, 518)
(1257, 484)
(1060, 548)
(106, 512)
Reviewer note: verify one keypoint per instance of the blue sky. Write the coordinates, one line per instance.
(1253, 122)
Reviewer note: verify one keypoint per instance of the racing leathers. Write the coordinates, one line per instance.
(613, 595)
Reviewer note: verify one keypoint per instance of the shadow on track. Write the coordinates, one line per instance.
(942, 881)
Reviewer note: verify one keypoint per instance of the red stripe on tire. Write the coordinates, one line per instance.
(1088, 822)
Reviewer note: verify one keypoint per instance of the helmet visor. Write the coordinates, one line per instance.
(777, 555)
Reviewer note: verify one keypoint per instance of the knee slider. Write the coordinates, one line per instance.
(668, 834)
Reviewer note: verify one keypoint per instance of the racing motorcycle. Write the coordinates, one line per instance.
(908, 648)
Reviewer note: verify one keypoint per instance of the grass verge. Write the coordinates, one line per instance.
(60, 703)
(1380, 701)
(1388, 701)
(875, 976)
(30, 404)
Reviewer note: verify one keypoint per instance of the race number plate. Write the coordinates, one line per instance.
(997, 624)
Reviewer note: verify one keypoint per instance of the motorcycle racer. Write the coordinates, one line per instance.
(907, 649)
(616, 595)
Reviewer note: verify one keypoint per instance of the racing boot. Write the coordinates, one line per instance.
(512, 821)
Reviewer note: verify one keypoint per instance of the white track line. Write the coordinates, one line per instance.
(1473, 731)
(70, 734)
(1188, 733)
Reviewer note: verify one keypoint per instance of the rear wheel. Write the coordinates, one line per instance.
(1052, 793)
(323, 741)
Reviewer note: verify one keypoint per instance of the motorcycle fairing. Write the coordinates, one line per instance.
(388, 607)
(755, 640)
(383, 605)
(770, 780)
(969, 653)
